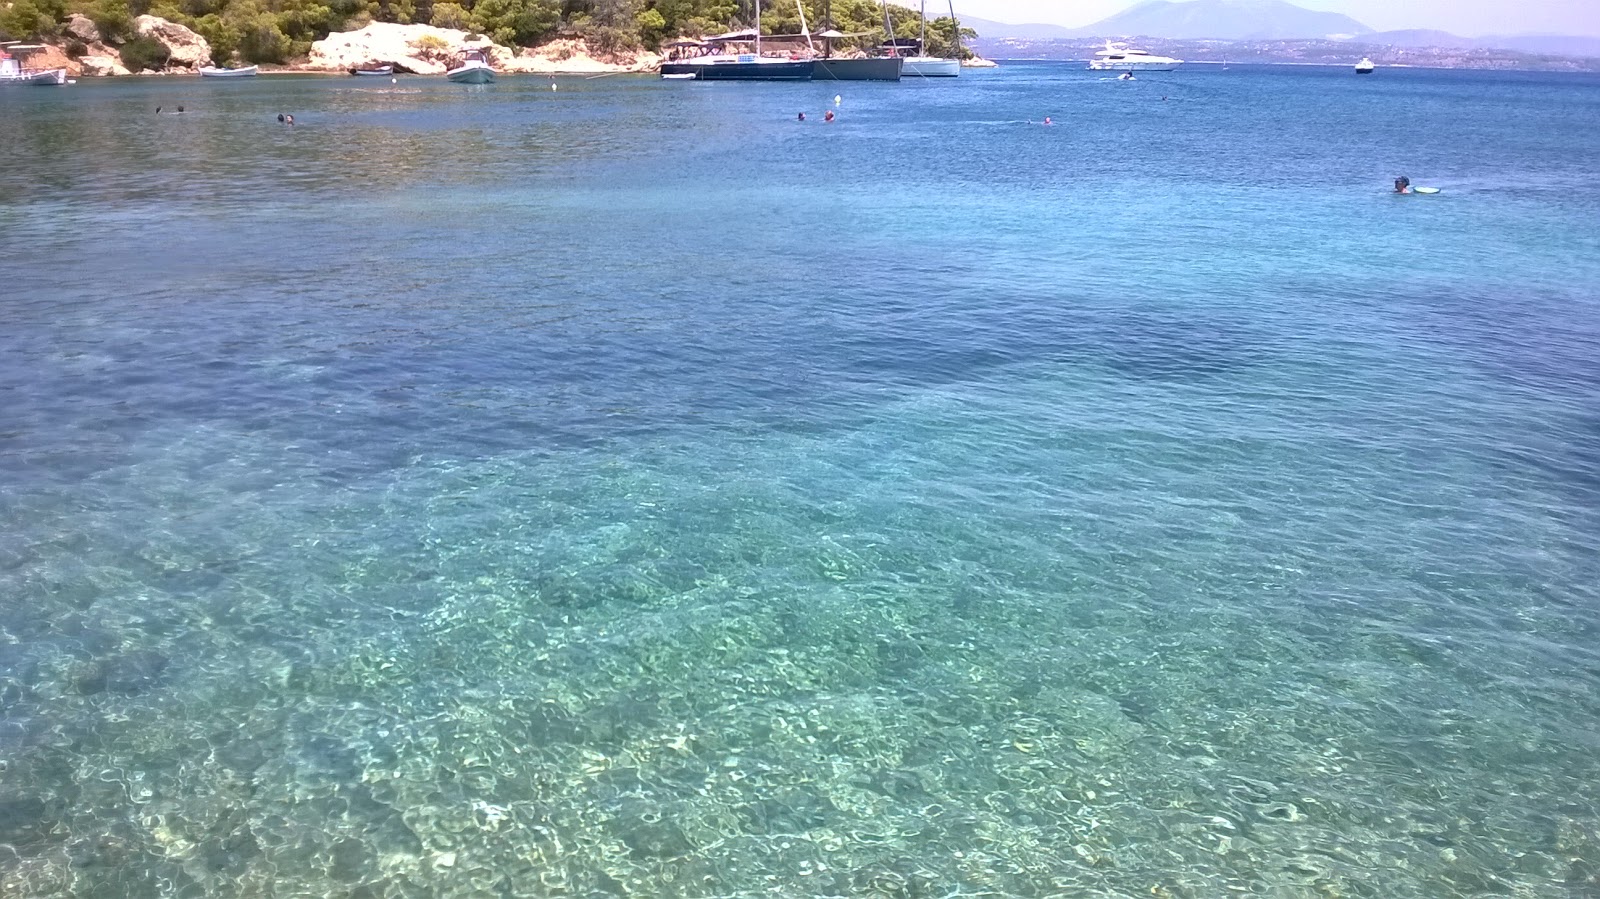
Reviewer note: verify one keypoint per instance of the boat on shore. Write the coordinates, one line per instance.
(1365, 66)
(12, 72)
(219, 72)
(374, 70)
(474, 69)
(1118, 57)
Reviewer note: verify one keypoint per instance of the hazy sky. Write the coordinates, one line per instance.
(1465, 17)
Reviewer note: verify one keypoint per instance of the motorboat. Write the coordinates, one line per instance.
(12, 72)
(374, 70)
(219, 72)
(1122, 58)
(474, 69)
(1365, 66)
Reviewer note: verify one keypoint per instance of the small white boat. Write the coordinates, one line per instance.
(12, 72)
(374, 70)
(1365, 66)
(216, 72)
(679, 76)
(1122, 58)
(473, 70)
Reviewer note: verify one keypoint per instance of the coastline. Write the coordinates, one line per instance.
(410, 49)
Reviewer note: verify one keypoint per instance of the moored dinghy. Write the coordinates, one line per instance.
(218, 72)
(474, 69)
(374, 70)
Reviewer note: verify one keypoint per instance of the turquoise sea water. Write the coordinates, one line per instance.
(630, 490)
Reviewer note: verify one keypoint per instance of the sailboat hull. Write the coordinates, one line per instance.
(930, 67)
(723, 69)
(885, 68)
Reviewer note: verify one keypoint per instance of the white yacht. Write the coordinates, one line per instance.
(1365, 66)
(1122, 58)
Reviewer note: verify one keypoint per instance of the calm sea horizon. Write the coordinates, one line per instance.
(630, 489)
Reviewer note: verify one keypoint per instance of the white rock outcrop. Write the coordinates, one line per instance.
(421, 49)
(98, 66)
(426, 50)
(189, 50)
(83, 28)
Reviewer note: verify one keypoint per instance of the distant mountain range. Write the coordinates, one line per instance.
(1227, 20)
(1269, 20)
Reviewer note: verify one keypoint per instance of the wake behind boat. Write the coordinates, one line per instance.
(1122, 58)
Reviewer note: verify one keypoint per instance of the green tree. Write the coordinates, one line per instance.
(223, 36)
(27, 20)
(261, 40)
(941, 41)
(451, 15)
(514, 22)
(112, 17)
(652, 27)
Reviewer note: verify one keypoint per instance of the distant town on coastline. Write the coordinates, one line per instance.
(1276, 31)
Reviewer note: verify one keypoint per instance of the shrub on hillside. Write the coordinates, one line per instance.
(143, 53)
(26, 20)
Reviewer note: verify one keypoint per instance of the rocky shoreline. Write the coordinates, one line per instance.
(414, 49)
(411, 49)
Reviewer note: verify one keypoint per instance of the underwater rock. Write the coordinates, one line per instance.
(654, 839)
(134, 672)
(25, 821)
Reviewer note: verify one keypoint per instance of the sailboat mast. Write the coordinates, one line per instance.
(806, 29)
(955, 28)
(922, 40)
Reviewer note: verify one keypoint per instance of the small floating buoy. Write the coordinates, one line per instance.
(552, 85)
(394, 81)
(837, 99)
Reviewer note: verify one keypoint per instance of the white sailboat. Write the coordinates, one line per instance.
(931, 66)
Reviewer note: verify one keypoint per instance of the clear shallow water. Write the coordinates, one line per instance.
(630, 490)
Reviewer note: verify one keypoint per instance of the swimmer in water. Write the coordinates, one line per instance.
(828, 116)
